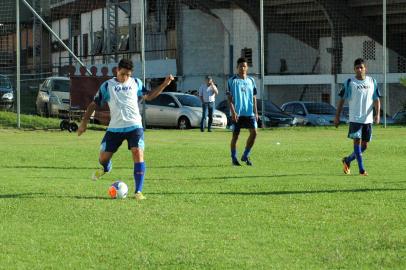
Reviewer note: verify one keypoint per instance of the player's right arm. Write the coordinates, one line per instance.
(338, 112)
(89, 111)
(234, 116)
(102, 96)
(343, 94)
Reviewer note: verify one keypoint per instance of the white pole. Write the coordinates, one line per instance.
(143, 58)
(55, 35)
(262, 61)
(18, 63)
(384, 63)
(143, 41)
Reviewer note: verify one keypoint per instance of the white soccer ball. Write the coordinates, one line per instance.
(118, 190)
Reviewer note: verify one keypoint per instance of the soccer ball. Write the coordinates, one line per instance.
(118, 190)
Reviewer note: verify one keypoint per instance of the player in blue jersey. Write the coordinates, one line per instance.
(363, 94)
(243, 108)
(122, 94)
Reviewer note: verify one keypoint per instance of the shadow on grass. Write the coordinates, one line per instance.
(294, 192)
(229, 177)
(55, 167)
(47, 195)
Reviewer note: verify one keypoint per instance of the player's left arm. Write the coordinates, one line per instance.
(158, 90)
(255, 99)
(377, 103)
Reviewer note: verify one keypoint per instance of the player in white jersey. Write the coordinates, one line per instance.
(122, 94)
(362, 93)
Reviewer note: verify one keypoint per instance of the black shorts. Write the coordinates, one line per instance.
(113, 140)
(249, 122)
(360, 131)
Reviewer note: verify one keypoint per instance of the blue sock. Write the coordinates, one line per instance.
(246, 153)
(352, 156)
(139, 172)
(107, 166)
(233, 153)
(358, 155)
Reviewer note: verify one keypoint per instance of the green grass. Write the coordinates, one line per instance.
(293, 210)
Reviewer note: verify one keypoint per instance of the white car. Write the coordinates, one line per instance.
(53, 97)
(173, 109)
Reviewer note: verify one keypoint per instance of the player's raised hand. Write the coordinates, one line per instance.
(82, 128)
(169, 79)
(336, 121)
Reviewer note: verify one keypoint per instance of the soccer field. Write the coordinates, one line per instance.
(294, 209)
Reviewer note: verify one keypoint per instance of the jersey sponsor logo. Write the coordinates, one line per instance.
(362, 87)
(119, 88)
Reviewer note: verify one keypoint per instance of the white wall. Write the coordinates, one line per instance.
(202, 53)
(299, 56)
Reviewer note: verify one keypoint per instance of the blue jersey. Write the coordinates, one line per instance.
(122, 99)
(242, 92)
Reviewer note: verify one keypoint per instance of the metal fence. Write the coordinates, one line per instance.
(304, 50)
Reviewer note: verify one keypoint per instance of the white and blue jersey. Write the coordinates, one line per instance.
(242, 92)
(122, 99)
(361, 95)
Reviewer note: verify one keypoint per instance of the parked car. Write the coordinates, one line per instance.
(53, 97)
(400, 117)
(273, 115)
(173, 109)
(6, 93)
(346, 113)
(315, 113)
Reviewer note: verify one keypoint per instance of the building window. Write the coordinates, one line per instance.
(401, 64)
(75, 45)
(368, 50)
(247, 54)
(85, 45)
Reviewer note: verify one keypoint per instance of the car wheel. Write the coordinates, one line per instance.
(183, 123)
(73, 127)
(64, 124)
(46, 111)
(259, 123)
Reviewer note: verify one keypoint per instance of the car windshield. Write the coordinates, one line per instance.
(188, 100)
(61, 86)
(269, 106)
(320, 108)
(4, 82)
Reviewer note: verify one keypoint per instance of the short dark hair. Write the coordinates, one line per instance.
(125, 63)
(359, 61)
(241, 60)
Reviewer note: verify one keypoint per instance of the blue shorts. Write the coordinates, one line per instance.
(113, 140)
(249, 122)
(360, 131)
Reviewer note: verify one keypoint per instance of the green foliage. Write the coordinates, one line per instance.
(403, 81)
(9, 120)
(294, 209)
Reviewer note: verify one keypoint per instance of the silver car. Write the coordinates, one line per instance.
(314, 113)
(179, 110)
(6, 93)
(53, 97)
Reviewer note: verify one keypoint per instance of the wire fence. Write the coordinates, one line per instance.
(309, 46)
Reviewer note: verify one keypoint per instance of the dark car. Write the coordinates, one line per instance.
(6, 93)
(400, 117)
(273, 115)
